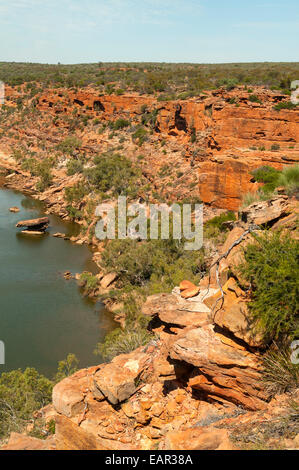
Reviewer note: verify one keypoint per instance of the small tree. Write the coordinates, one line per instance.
(66, 367)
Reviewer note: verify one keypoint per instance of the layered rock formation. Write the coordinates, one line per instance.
(200, 377)
(213, 141)
(39, 225)
(233, 134)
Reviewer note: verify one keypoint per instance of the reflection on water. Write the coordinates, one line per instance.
(43, 317)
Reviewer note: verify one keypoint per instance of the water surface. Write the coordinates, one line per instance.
(43, 317)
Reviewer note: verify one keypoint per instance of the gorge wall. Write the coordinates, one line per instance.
(223, 135)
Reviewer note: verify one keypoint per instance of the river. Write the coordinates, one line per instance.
(43, 317)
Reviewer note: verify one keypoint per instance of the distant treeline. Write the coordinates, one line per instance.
(172, 80)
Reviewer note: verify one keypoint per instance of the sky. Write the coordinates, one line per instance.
(200, 31)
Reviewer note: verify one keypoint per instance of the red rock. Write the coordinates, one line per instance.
(118, 380)
(189, 293)
(186, 285)
(108, 280)
(23, 442)
(174, 310)
(35, 223)
(198, 439)
(70, 436)
(223, 370)
(69, 394)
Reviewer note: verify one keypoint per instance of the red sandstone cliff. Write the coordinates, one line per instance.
(233, 134)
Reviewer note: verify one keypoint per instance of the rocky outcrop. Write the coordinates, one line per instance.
(119, 380)
(145, 417)
(34, 225)
(233, 135)
(268, 212)
(231, 314)
(194, 385)
(173, 310)
(224, 369)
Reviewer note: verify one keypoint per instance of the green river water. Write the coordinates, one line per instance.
(43, 317)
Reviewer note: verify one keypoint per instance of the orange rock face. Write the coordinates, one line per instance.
(231, 138)
(223, 370)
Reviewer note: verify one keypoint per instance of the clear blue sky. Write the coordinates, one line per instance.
(76, 31)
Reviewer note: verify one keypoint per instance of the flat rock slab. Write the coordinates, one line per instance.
(173, 309)
(199, 298)
(14, 209)
(41, 222)
(33, 232)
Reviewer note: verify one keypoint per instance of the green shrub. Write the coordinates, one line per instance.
(17, 155)
(75, 194)
(280, 375)
(21, 393)
(250, 198)
(285, 105)
(89, 281)
(140, 136)
(272, 179)
(113, 172)
(69, 145)
(66, 367)
(149, 118)
(74, 166)
(193, 135)
(74, 213)
(289, 178)
(123, 342)
(29, 164)
(132, 261)
(269, 176)
(121, 124)
(254, 99)
(271, 266)
(161, 264)
(275, 147)
(218, 221)
(46, 178)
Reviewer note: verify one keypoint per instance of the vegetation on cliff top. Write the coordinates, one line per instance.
(173, 80)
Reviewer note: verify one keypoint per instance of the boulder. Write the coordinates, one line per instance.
(174, 310)
(119, 379)
(107, 280)
(186, 285)
(222, 370)
(232, 314)
(191, 292)
(69, 394)
(266, 212)
(14, 209)
(35, 225)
